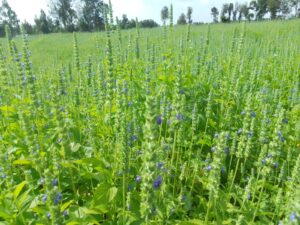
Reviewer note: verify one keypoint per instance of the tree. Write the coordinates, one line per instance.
(42, 24)
(148, 23)
(230, 10)
(189, 14)
(262, 9)
(273, 7)
(28, 28)
(254, 8)
(285, 8)
(63, 11)
(215, 14)
(182, 19)
(245, 11)
(296, 5)
(124, 21)
(164, 14)
(224, 12)
(9, 17)
(235, 11)
(92, 15)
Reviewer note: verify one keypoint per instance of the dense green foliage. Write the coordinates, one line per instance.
(174, 125)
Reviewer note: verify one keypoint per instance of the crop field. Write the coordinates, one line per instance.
(184, 125)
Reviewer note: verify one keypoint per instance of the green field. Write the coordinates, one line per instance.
(184, 125)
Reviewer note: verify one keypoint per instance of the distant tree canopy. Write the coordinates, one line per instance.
(257, 10)
(8, 17)
(164, 14)
(92, 15)
(182, 19)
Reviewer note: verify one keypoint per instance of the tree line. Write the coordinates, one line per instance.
(67, 16)
(256, 10)
(89, 15)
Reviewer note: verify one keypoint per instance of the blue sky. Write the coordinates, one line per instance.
(143, 9)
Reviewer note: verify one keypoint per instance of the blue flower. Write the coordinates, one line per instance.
(3, 176)
(209, 168)
(138, 179)
(44, 198)
(216, 135)
(57, 198)
(213, 149)
(240, 131)
(293, 216)
(226, 150)
(54, 182)
(65, 213)
(223, 169)
(249, 196)
(48, 215)
(253, 114)
(263, 162)
(159, 120)
(275, 165)
(179, 116)
(250, 134)
(227, 137)
(134, 138)
(157, 182)
(160, 165)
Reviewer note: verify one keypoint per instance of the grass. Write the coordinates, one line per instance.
(182, 125)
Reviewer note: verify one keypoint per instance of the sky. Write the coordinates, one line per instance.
(143, 9)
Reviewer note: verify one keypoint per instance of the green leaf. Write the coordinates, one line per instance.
(112, 193)
(66, 205)
(191, 222)
(19, 188)
(22, 162)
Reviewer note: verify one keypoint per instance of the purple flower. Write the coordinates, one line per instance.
(249, 196)
(183, 198)
(138, 179)
(160, 165)
(65, 213)
(250, 134)
(213, 149)
(240, 131)
(179, 116)
(57, 198)
(134, 138)
(227, 137)
(293, 217)
(209, 168)
(159, 120)
(54, 182)
(157, 182)
(223, 169)
(44, 198)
